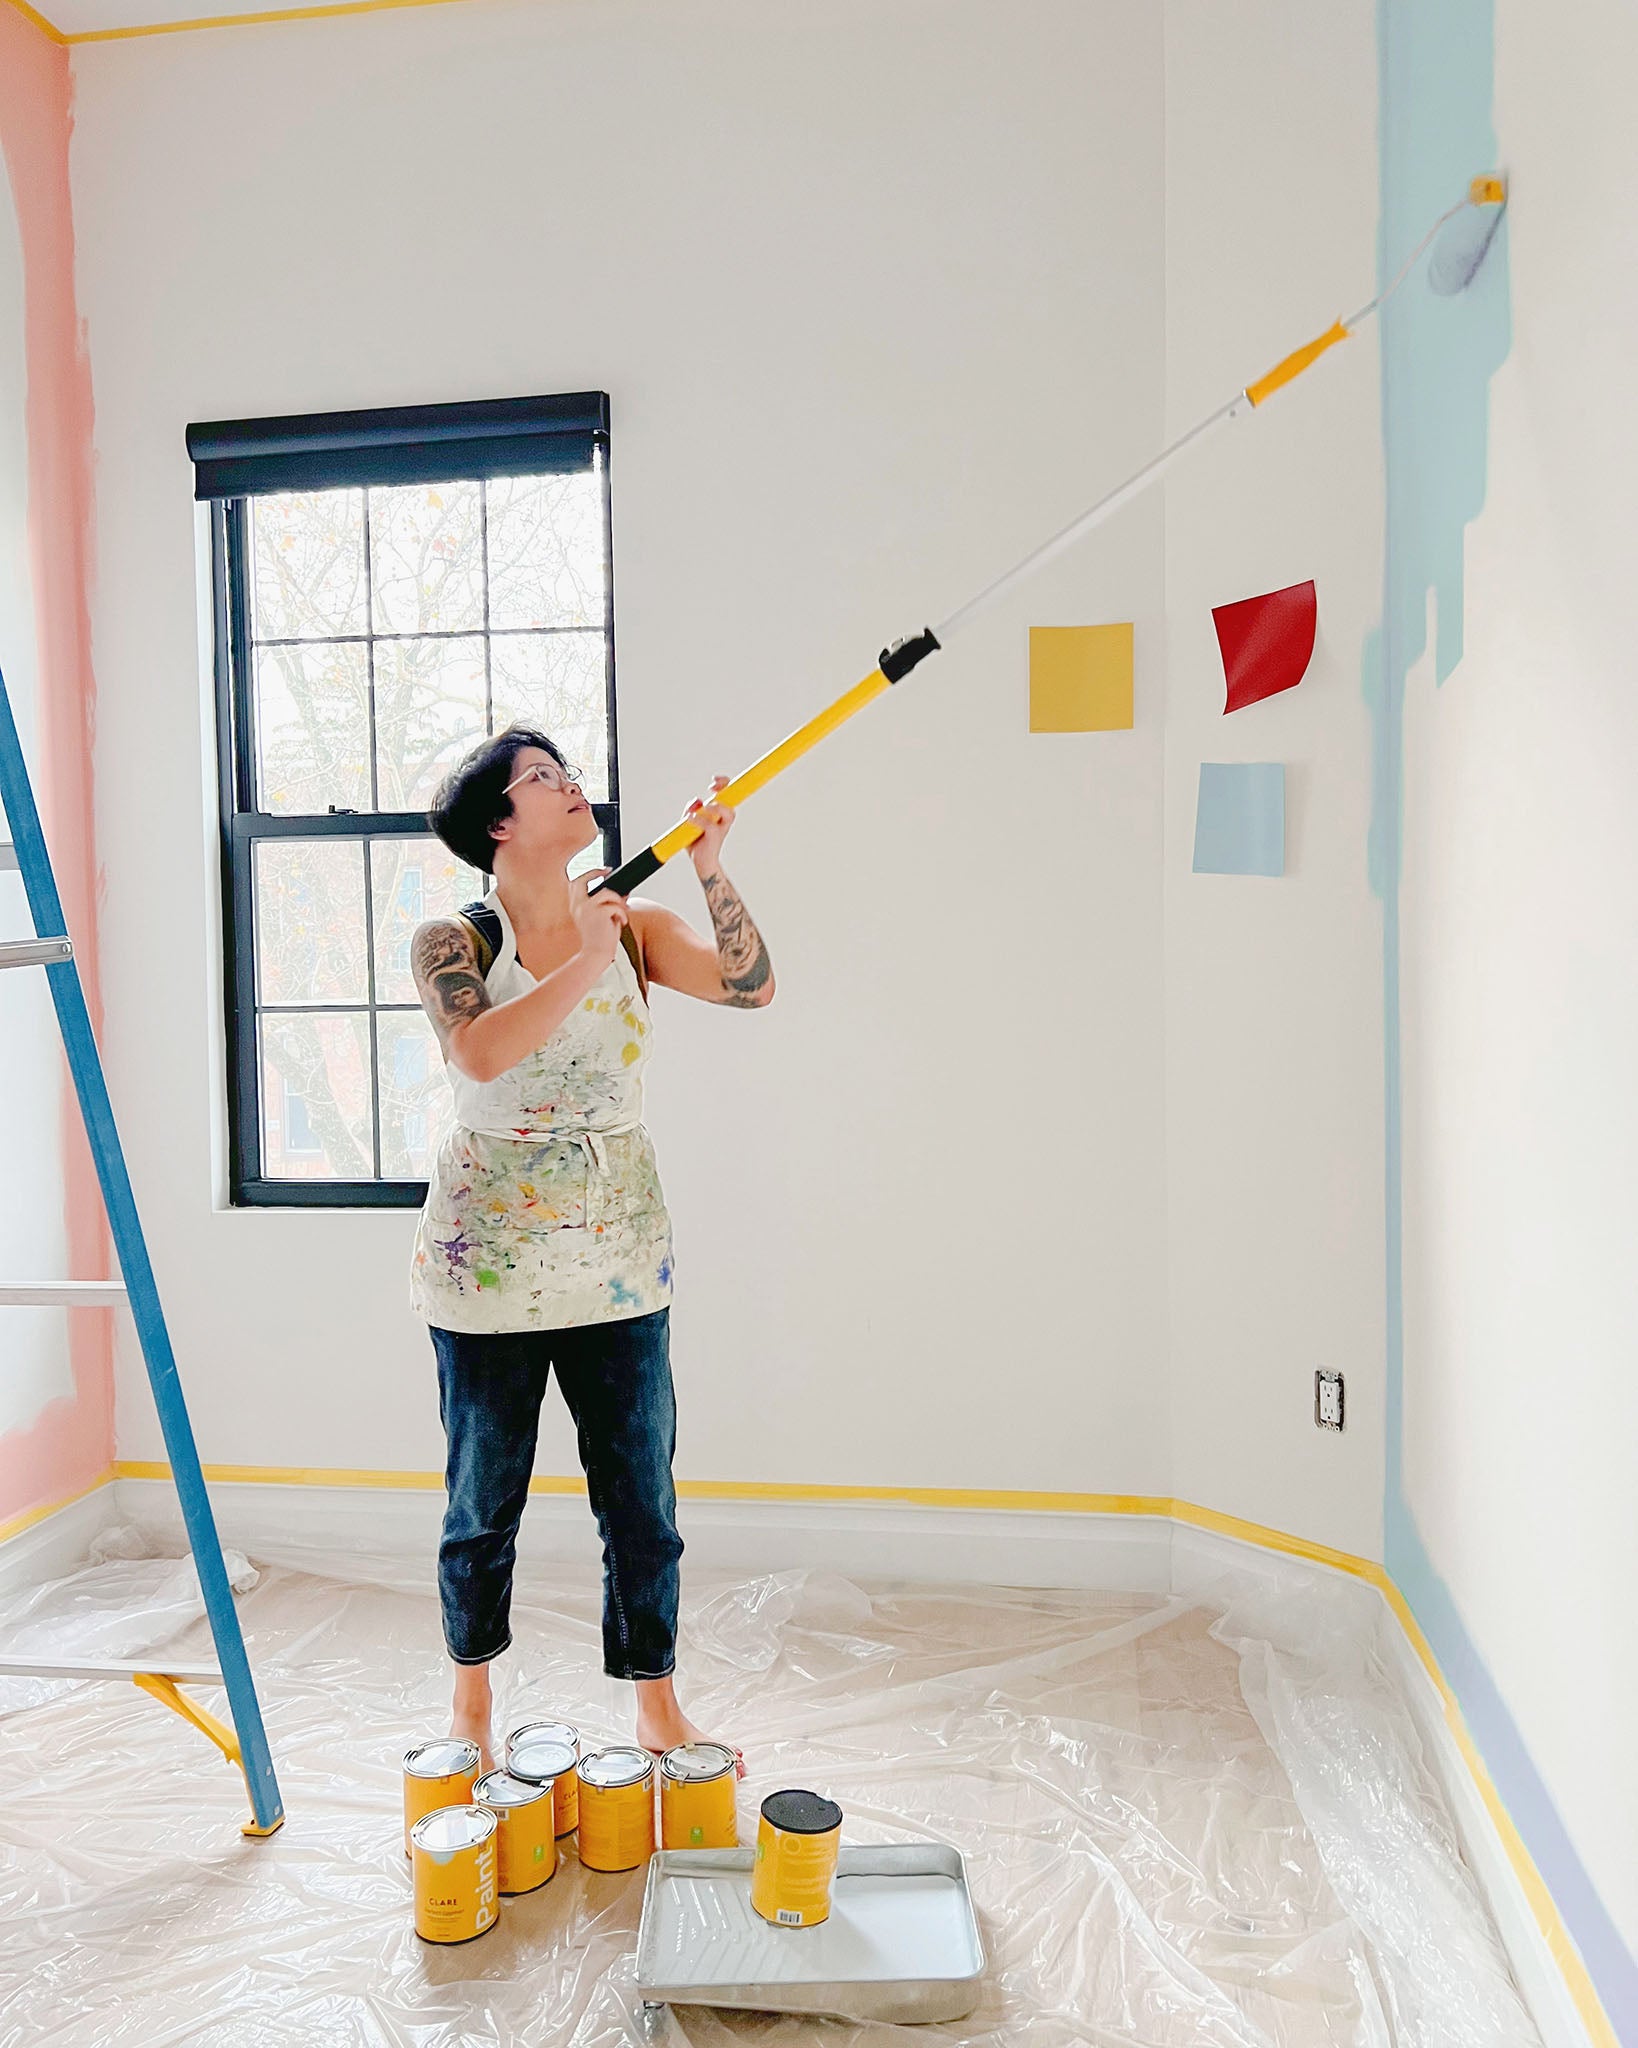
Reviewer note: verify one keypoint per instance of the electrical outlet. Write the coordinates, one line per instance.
(1328, 1400)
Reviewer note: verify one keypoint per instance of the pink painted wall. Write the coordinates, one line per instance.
(70, 1443)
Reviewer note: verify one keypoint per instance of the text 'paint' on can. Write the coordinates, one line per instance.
(797, 1838)
(457, 1874)
(522, 1762)
(697, 1785)
(525, 1840)
(440, 1773)
(616, 1808)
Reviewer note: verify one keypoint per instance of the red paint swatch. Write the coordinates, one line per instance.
(1267, 643)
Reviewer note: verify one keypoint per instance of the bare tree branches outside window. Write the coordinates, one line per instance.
(387, 629)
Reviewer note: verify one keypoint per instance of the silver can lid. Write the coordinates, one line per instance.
(544, 1731)
(501, 1788)
(450, 1756)
(695, 1762)
(539, 1761)
(450, 1828)
(614, 1767)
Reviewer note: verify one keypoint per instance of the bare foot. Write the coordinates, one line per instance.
(662, 1724)
(472, 1725)
(472, 1709)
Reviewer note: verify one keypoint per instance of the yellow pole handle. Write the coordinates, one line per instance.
(687, 830)
(1295, 363)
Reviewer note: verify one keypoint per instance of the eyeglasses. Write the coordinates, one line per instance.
(548, 773)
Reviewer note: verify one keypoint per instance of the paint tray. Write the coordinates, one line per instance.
(901, 1943)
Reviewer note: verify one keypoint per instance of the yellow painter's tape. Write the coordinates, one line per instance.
(30, 1516)
(259, 19)
(46, 28)
(1002, 1500)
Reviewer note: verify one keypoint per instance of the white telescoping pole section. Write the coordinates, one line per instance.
(1094, 515)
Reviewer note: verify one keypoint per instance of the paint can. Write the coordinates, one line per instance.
(456, 1889)
(525, 1842)
(797, 1838)
(697, 1782)
(616, 1809)
(566, 1783)
(440, 1773)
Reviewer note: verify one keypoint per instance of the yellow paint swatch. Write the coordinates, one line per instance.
(1080, 678)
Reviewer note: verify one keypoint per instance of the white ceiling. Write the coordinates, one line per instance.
(76, 18)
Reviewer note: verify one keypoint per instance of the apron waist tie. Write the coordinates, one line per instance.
(593, 1144)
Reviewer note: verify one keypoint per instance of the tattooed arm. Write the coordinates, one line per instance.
(747, 972)
(483, 1038)
(447, 980)
(732, 967)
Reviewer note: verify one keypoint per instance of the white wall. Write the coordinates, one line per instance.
(1521, 974)
(34, 1360)
(1055, 1165)
(1273, 986)
(878, 295)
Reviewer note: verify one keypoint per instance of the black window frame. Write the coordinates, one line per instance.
(399, 443)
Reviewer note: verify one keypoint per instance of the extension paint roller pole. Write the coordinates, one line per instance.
(142, 1292)
(1475, 216)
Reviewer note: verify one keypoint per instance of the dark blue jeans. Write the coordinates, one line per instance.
(616, 1380)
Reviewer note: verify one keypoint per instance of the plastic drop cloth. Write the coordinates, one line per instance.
(1200, 1824)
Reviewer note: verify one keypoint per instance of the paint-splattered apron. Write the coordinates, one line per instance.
(544, 1207)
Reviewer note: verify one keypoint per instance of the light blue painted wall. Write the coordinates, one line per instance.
(1438, 356)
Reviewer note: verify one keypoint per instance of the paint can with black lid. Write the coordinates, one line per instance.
(797, 1837)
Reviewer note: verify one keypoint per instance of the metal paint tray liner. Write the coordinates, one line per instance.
(901, 1943)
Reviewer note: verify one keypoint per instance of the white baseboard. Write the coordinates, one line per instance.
(983, 1546)
(1200, 1556)
(1539, 1978)
(58, 1543)
(263, 1519)
(978, 1546)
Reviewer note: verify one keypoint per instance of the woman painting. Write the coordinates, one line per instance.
(545, 1246)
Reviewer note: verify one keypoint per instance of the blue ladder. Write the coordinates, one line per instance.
(246, 1743)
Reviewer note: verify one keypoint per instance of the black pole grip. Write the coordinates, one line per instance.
(899, 659)
(631, 874)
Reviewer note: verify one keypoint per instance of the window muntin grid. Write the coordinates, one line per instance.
(339, 1093)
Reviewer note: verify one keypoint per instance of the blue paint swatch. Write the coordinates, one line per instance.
(1239, 825)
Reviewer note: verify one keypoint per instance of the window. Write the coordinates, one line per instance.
(299, 1135)
(389, 587)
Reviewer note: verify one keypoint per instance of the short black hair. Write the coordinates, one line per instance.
(472, 797)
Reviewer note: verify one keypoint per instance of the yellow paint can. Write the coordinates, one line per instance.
(440, 1773)
(797, 1838)
(616, 1809)
(525, 1840)
(697, 1782)
(523, 1763)
(456, 1873)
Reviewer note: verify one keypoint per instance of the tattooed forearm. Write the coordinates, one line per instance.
(446, 974)
(747, 972)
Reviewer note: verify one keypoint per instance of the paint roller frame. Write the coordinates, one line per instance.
(1461, 239)
(1466, 238)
